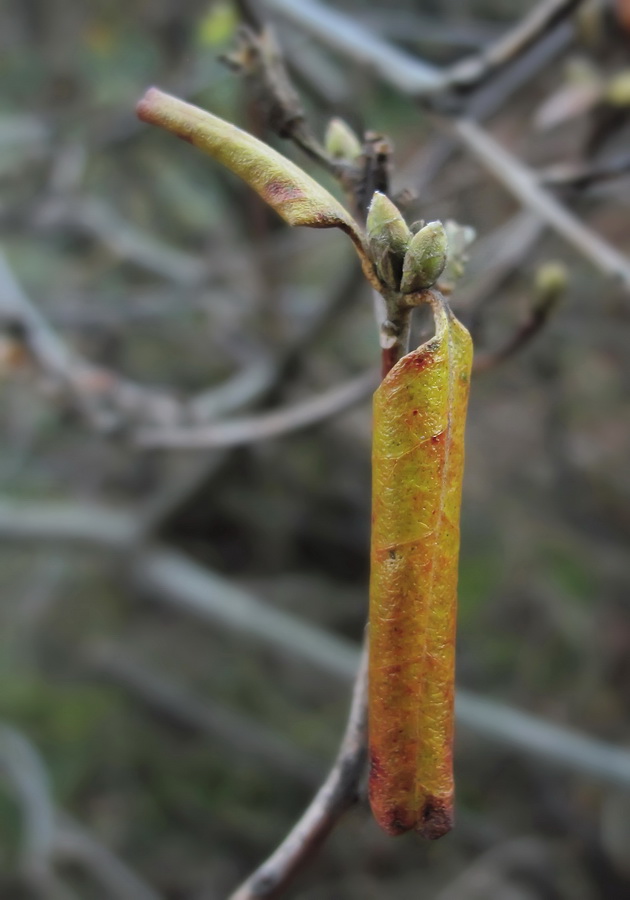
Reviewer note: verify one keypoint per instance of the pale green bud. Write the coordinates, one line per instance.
(388, 239)
(551, 281)
(425, 259)
(617, 91)
(341, 142)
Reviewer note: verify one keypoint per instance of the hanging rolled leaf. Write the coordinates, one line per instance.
(418, 460)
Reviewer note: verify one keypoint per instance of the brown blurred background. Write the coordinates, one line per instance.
(153, 702)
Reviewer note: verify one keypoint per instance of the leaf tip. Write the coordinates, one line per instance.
(145, 107)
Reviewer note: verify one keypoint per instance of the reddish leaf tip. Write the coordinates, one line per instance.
(436, 819)
(145, 107)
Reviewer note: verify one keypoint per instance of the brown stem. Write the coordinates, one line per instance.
(337, 794)
(523, 335)
(396, 329)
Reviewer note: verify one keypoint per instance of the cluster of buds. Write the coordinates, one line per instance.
(407, 260)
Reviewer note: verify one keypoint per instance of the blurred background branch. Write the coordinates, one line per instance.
(180, 628)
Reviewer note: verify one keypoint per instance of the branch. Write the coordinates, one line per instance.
(252, 429)
(405, 73)
(408, 73)
(24, 772)
(583, 175)
(102, 396)
(171, 578)
(523, 184)
(50, 836)
(108, 401)
(338, 793)
(82, 523)
(495, 258)
(241, 734)
(344, 34)
(124, 240)
(551, 283)
(75, 844)
(469, 73)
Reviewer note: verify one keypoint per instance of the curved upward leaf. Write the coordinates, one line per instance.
(297, 197)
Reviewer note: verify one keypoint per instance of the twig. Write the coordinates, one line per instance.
(259, 58)
(348, 36)
(582, 175)
(522, 183)
(82, 523)
(263, 426)
(126, 241)
(404, 73)
(550, 285)
(173, 579)
(471, 72)
(524, 334)
(108, 401)
(50, 835)
(241, 734)
(410, 74)
(102, 396)
(24, 772)
(337, 794)
(73, 843)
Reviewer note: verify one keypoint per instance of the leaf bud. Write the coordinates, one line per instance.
(425, 259)
(341, 142)
(388, 239)
(551, 281)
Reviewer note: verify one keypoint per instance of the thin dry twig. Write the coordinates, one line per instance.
(51, 836)
(338, 793)
(244, 736)
(124, 240)
(410, 74)
(75, 844)
(470, 73)
(406, 74)
(169, 577)
(585, 174)
(538, 317)
(524, 185)
(494, 258)
(108, 401)
(263, 426)
(102, 396)
(347, 36)
(22, 769)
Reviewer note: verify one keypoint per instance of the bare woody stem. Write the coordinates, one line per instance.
(338, 793)
(395, 338)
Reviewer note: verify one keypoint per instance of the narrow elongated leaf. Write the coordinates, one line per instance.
(418, 458)
(297, 197)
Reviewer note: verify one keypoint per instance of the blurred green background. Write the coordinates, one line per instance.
(189, 749)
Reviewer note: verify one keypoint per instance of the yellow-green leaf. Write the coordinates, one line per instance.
(418, 459)
(297, 197)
